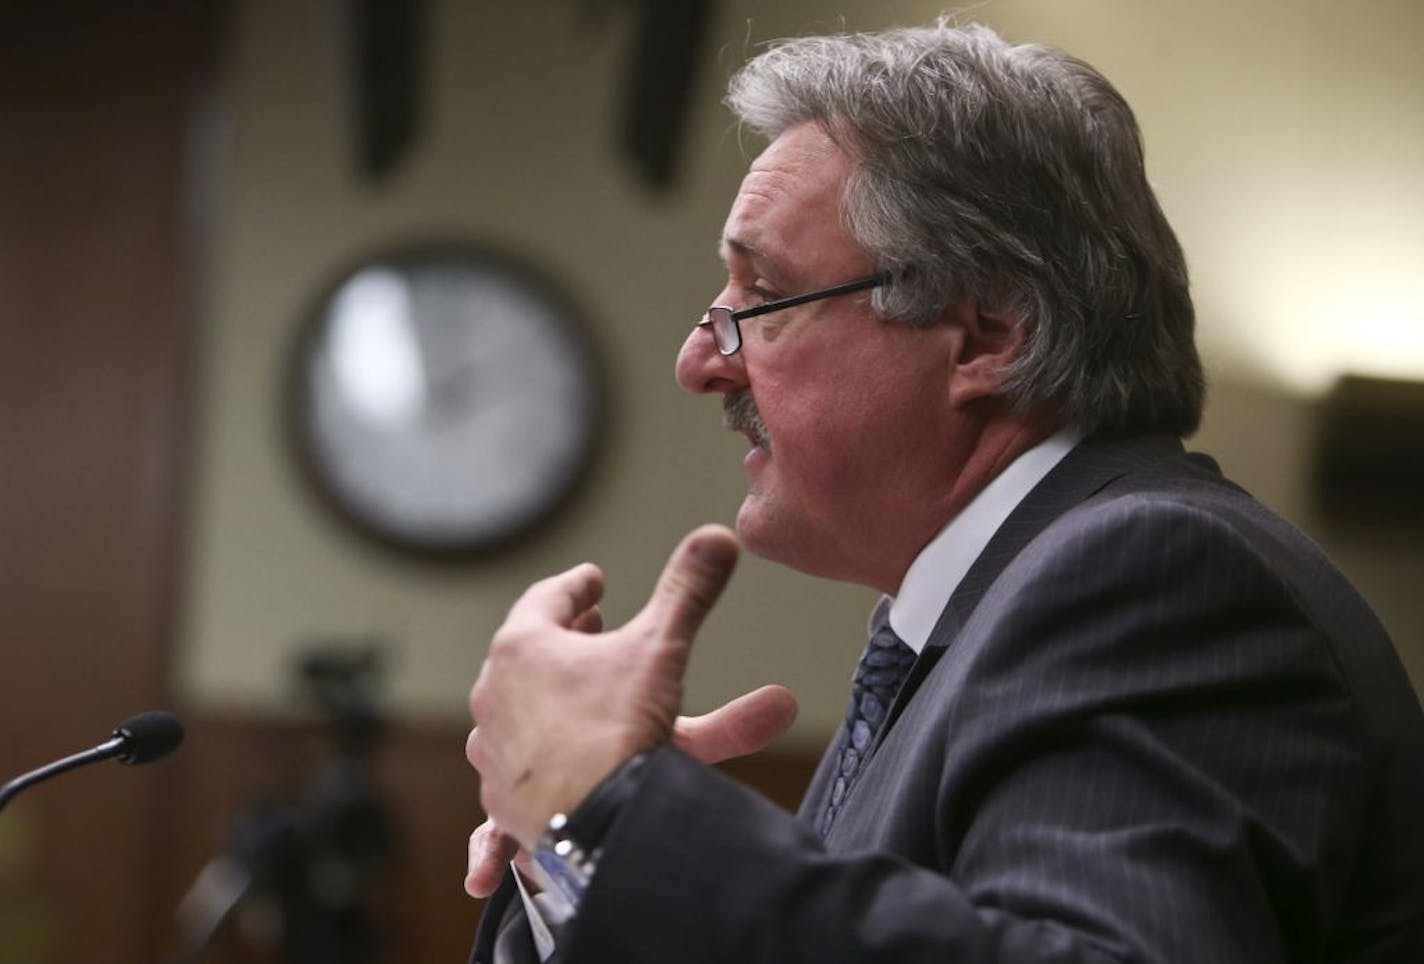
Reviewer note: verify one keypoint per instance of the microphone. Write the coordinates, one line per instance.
(139, 739)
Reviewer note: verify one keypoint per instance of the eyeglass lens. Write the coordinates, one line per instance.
(726, 333)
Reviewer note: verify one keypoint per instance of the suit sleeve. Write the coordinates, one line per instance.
(1151, 759)
(504, 936)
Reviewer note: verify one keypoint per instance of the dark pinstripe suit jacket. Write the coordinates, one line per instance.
(1153, 724)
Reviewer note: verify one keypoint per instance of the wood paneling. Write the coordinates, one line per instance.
(94, 340)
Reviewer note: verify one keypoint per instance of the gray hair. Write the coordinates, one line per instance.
(1013, 175)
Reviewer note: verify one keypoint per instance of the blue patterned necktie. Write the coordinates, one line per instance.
(882, 669)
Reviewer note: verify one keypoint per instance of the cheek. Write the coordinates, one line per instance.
(850, 436)
(840, 409)
(816, 444)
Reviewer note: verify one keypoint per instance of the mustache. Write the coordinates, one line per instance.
(740, 414)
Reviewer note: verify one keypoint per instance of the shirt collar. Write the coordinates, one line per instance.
(938, 569)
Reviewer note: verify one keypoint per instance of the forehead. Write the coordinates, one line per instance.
(790, 199)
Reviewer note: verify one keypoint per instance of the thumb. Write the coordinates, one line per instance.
(745, 725)
(490, 852)
(690, 583)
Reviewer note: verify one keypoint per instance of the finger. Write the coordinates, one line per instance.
(589, 621)
(561, 598)
(690, 583)
(491, 850)
(745, 725)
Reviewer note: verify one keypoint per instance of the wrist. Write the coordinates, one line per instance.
(569, 849)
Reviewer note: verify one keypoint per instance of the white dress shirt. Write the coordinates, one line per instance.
(942, 563)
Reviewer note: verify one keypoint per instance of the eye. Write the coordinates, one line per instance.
(758, 290)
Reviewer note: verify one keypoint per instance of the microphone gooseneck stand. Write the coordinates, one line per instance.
(137, 740)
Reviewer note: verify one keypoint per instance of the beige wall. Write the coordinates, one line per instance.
(1283, 137)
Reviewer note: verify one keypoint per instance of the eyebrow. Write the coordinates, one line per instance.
(744, 249)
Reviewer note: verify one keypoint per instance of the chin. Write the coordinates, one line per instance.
(749, 530)
(795, 542)
(757, 530)
(773, 536)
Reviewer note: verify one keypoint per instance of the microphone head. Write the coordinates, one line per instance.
(148, 736)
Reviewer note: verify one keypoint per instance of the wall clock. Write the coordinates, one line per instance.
(446, 399)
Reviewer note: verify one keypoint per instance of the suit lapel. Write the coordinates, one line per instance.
(1092, 465)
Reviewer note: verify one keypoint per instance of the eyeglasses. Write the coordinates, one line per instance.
(723, 321)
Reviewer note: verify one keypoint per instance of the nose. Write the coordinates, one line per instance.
(701, 369)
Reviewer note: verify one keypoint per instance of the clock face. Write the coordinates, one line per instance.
(447, 400)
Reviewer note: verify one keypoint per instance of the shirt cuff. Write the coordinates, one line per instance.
(547, 913)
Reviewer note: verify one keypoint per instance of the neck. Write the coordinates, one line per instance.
(997, 447)
(987, 452)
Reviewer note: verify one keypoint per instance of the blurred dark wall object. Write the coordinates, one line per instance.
(383, 52)
(95, 357)
(670, 38)
(1370, 458)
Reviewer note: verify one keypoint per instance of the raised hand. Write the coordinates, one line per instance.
(557, 707)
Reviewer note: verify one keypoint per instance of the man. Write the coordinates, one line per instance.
(1113, 710)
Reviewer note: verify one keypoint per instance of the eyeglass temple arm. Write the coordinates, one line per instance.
(860, 284)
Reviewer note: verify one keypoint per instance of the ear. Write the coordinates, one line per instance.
(990, 341)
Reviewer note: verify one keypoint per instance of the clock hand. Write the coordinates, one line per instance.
(471, 386)
(448, 393)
